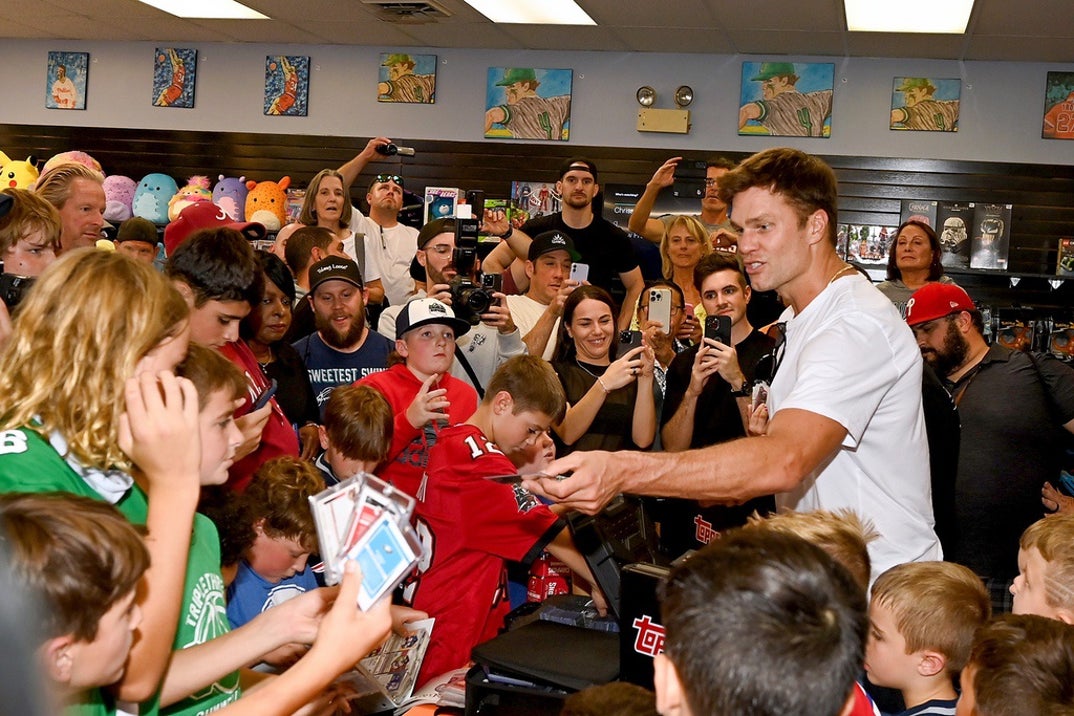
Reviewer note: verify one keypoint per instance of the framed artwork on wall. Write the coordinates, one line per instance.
(175, 72)
(287, 85)
(66, 79)
(1058, 106)
(528, 103)
(786, 99)
(925, 104)
(407, 78)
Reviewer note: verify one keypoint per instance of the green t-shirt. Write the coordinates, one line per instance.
(29, 464)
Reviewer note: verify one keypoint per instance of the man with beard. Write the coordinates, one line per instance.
(1013, 406)
(603, 246)
(481, 350)
(343, 349)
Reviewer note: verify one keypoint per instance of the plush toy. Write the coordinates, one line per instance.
(152, 196)
(75, 156)
(267, 202)
(196, 189)
(4, 159)
(18, 174)
(119, 197)
(230, 195)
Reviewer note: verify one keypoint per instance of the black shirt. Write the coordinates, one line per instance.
(604, 246)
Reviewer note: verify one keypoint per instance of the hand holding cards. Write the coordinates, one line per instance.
(367, 520)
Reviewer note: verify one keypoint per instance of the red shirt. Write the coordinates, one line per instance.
(278, 437)
(409, 451)
(472, 526)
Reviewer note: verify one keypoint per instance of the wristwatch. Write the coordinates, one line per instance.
(745, 391)
(510, 230)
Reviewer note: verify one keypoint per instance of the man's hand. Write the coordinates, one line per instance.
(592, 486)
(495, 222)
(727, 363)
(499, 316)
(160, 431)
(428, 405)
(665, 175)
(705, 365)
(369, 152)
(661, 343)
(441, 292)
(402, 616)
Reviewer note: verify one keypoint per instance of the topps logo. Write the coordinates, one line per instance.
(650, 638)
(437, 308)
(704, 532)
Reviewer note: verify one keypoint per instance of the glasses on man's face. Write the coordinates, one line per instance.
(769, 363)
(675, 310)
(710, 183)
(439, 249)
(384, 178)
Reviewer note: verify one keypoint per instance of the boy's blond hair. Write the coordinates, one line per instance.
(532, 384)
(840, 533)
(1053, 537)
(936, 605)
(359, 422)
(29, 213)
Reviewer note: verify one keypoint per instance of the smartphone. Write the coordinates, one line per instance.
(660, 307)
(688, 311)
(265, 396)
(579, 272)
(628, 341)
(493, 283)
(718, 328)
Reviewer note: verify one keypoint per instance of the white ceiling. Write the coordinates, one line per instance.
(1005, 30)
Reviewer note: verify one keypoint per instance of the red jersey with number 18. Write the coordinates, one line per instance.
(471, 527)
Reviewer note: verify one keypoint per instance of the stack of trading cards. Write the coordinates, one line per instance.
(367, 520)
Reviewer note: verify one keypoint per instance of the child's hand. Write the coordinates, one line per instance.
(159, 431)
(428, 405)
(1054, 500)
(252, 425)
(401, 616)
(297, 620)
(758, 420)
(347, 633)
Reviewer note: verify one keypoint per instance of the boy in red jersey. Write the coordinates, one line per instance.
(463, 585)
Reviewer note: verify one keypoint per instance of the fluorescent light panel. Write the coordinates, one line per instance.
(532, 12)
(948, 17)
(207, 9)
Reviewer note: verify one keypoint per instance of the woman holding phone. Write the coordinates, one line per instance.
(610, 401)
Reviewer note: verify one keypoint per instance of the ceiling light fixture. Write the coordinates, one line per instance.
(949, 17)
(207, 9)
(532, 12)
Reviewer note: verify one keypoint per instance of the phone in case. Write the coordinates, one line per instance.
(579, 272)
(718, 328)
(660, 307)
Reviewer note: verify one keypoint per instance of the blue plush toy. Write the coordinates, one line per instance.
(152, 197)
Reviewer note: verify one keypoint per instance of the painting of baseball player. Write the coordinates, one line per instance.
(407, 78)
(66, 80)
(516, 110)
(785, 99)
(1059, 106)
(925, 104)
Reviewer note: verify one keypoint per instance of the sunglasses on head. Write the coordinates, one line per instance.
(384, 178)
(769, 362)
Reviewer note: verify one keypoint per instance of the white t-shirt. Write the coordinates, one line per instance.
(388, 253)
(850, 358)
(370, 272)
(525, 312)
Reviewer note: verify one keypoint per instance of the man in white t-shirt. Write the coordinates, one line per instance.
(846, 427)
(389, 245)
(537, 312)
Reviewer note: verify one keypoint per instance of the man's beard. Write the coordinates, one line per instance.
(333, 337)
(952, 355)
(577, 202)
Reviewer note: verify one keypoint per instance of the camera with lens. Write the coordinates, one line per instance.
(468, 298)
(390, 150)
(13, 288)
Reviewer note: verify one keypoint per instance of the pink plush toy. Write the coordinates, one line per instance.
(267, 203)
(119, 197)
(196, 189)
(230, 195)
(75, 156)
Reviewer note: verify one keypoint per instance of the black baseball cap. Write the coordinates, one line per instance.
(335, 268)
(138, 229)
(579, 163)
(549, 241)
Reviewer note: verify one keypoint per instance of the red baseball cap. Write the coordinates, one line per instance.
(936, 300)
(206, 215)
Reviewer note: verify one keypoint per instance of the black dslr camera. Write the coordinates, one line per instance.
(468, 299)
(13, 288)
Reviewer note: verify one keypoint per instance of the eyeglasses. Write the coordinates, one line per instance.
(439, 249)
(382, 178)
(769, 363)
(710, 182)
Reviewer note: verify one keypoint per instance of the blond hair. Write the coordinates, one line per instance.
(695, 228)
(936, 606)
(81, 331)
(1053, 537)
(840, 533)
(55, 185)
(29, 213)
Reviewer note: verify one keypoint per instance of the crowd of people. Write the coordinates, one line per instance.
(164, 429)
